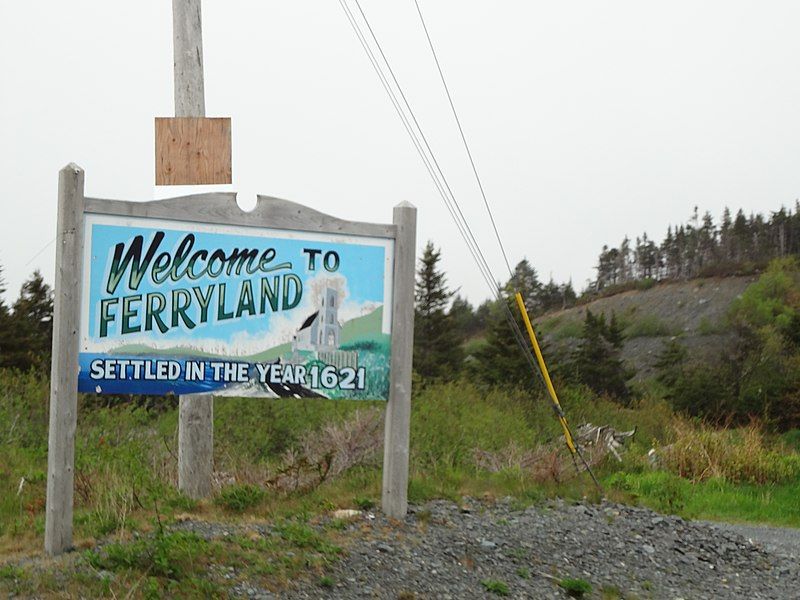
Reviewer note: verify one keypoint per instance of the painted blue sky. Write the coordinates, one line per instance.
(362, 268)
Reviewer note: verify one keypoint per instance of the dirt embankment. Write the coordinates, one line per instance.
(693, 310)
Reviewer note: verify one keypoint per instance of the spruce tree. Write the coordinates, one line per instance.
(32, 325)
(463, 318)
(500, 361)
(437, 348)
(596, 362)
(669, 363)
(525, 280)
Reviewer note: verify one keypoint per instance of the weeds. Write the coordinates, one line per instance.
(171, 555)
(363, 503)
(742, 455)
(495, 586)
(11, 572)
(238, 498)
(576, 588)
(649, 326)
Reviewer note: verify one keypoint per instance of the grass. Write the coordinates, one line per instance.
(560, 327)
(495, 586)
(708, 327)
(126, 471)
(649, 326)
(715, 499)
(576, 588)
(239, 498)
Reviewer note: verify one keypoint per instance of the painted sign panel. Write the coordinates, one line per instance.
(179, 307)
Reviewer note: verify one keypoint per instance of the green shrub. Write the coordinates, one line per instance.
(171, 555)
(771, 300)
(495, 586)
(240, 497)
(791, 439)
(577, 588)
(364, 503)
(11, 572)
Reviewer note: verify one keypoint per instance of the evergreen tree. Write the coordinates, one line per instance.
(568, 295)
(596, 362)
(483, 316)
(550, 297)
(462, 317)
(500, 360)
(437, 348)
(525, 281)
(669, 362)
(32, 325)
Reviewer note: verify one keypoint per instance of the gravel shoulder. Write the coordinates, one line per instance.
(481, 550)
(780, 541)
(443, 550)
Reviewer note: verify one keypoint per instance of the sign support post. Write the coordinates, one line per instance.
(394, 496)
(64, 366)
(196, 412)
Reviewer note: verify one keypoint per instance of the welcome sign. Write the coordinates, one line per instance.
(193, 296)
(183, 307)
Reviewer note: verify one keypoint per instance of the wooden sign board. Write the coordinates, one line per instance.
(193, 150)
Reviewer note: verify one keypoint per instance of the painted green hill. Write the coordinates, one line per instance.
(366, 327)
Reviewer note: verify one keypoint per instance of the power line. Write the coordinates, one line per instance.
(430, 162)
(435, 172)
(447, 195)
(463, 138)
(422, 135)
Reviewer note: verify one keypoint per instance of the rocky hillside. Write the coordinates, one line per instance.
(694, 310)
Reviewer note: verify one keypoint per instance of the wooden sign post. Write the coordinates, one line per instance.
(97, 303)
(64, 368)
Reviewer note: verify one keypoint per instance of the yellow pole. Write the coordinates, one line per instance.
(540, 359)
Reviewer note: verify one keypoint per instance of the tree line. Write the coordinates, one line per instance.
(702, 248)
(446, 325)
(755, 373)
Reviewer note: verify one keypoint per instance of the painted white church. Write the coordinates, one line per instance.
(320, 332)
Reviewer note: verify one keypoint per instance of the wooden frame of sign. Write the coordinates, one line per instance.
(196, 411)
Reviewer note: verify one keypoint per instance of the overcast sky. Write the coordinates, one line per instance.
(588, 120)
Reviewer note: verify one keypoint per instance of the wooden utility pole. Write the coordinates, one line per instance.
(190, 148)
(187, 53)
(196, 412)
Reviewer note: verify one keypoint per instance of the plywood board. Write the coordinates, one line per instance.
(193, 150)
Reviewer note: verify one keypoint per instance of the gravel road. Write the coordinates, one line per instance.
(446, 551)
